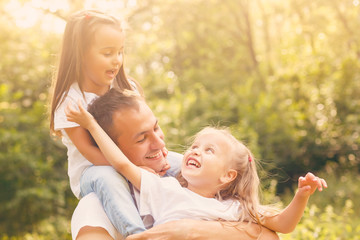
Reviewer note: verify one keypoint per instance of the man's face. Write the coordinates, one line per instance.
(140, 137)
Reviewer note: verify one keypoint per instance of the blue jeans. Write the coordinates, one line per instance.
(114, 193)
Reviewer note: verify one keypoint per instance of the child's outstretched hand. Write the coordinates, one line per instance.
(167, 165)
(164, 169)
(81, 116)
(307, 185)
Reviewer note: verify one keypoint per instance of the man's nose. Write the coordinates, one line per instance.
(157, 142)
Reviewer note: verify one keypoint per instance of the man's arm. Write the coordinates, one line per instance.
(189, 229)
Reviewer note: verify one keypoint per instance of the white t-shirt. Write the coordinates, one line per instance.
(77, 163)
(90, 212)
(166, 200)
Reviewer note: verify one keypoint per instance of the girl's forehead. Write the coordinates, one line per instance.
(213, 137)
(107, 36)
(209, 133)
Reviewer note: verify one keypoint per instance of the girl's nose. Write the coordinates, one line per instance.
(118, 59)
(196, 151)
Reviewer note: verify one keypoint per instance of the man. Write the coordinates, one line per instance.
(133, 127)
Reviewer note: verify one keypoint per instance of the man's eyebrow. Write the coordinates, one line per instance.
(111, 47)
(143, 132)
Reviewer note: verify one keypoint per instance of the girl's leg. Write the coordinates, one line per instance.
(113, 191)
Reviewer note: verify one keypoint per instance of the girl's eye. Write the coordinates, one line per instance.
(107, 54)
(210, 150)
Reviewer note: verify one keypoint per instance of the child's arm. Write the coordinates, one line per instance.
(110, 150)
(86, 146)
(286, 221)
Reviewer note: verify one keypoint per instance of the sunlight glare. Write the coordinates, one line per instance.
(105, 6)
(28, 14)
(25, 16)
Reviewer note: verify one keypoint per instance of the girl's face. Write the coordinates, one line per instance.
(103, 59)
(207, 161)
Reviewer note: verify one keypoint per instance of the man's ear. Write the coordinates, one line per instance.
(229, 176)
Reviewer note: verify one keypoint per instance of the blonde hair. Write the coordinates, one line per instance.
(245, 187)
(78, 37)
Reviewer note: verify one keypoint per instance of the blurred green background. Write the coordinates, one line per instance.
(283, 75)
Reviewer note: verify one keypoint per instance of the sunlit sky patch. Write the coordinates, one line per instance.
(28, 14)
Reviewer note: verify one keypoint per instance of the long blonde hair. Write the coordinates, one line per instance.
(245, 187)
(78, 36)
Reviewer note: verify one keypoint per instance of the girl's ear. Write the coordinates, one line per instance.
(229, 176)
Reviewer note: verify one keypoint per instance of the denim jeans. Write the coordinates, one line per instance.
(114, 193)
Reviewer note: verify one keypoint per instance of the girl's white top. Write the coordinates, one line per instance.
(166, 200)
(77, 163)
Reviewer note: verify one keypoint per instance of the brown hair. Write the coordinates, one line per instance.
(104, 108)
(78, 36)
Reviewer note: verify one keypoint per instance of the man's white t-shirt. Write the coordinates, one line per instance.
(89, 211)
(77, 163)
(166, 200)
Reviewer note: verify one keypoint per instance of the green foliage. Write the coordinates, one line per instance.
(343, 185)
(326, 224)
(332, 213)
(33, 179)
(272, 72)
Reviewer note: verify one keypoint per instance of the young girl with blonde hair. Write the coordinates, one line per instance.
(219, 181)
(91, 62)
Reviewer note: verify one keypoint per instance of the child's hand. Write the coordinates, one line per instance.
(167, 165)
(165, 152)
(307, 185)
(81, 117)
(149, 169)
(161, 173)
(164, 169)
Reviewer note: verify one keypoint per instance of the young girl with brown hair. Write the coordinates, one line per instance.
(91, 62)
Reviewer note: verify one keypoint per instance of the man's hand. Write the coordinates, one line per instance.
(189, 229)
(168, 231)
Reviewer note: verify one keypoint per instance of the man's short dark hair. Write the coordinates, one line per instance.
(104, 108)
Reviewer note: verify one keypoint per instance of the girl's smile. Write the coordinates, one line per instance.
(193, 162)
(206, 162)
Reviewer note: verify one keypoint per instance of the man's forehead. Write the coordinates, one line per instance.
(132, 121)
